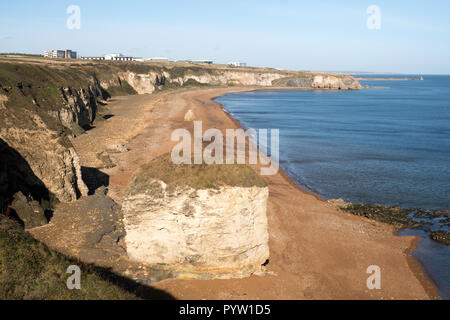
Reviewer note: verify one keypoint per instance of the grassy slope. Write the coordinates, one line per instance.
(30, 270)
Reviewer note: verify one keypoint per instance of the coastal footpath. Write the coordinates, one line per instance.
(65, 133)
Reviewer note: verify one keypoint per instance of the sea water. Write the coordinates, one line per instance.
(388, 144)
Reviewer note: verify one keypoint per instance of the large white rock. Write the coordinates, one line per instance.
(205, 233)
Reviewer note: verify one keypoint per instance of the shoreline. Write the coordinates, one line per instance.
(413, 264)
(280, 170)
(416, 266)
(388, 79)
(317, 252)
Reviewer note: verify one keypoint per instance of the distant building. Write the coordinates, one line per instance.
(237, 64)
(118, 57)
(61, 54)
(158, 59)
(54, 54)
(197, 61)
(92, 58)
(113, 57)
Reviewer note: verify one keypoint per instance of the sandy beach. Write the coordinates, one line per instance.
(316, 251)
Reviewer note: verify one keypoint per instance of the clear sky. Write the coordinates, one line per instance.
(290, 34)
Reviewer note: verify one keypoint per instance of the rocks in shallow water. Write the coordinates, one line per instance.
(198, 221)
(441, 213)
(428, 221)
(29, 211)
(441, 236)
(395, 215)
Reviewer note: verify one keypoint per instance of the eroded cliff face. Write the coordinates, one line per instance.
(227, 78)
(36, 109)
(79, 106)
(197, 221)
(211, 233)
(320, 81)
(148, 82)
(51, 159)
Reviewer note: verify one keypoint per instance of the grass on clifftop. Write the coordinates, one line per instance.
(123, 89)
(196, 176)
(30, 270)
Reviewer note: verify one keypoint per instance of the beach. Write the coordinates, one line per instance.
(316, 250)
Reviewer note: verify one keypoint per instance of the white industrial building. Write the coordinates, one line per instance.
(62, 54)
(113, 57)
(237, 64)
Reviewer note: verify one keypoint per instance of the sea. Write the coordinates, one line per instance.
(387, 144)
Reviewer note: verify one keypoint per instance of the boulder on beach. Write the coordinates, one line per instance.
(190, 116)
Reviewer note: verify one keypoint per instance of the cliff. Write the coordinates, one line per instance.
(308, 80)
(199, 222)
(43, 104)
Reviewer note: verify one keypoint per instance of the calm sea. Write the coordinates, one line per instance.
(388, 145)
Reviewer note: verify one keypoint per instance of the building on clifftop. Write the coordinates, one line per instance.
(60, 54)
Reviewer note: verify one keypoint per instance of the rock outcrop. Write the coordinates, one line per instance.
(227, 77)
(79, 106)
(39, 105)
(28, 211)
(320, 81)
(90, 229)
(198, 221)
(50, 158)
(189, 116)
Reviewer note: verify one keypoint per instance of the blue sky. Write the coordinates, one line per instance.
(303, 35)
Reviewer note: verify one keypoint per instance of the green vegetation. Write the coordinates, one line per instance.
(124, 89)
(299, 75)
(196, 176)
(30, 270)
(194, 83)
(170, 85)
(35, 89)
